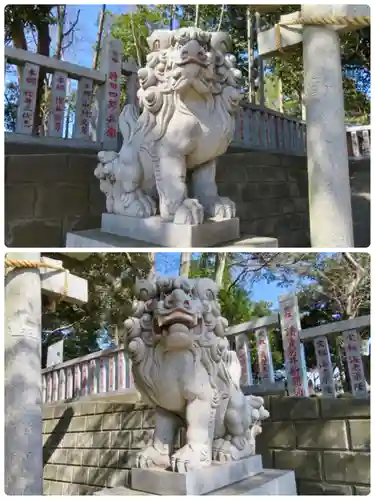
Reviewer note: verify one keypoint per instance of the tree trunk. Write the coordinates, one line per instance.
(185, 260)
(19, 42)
(221, 18)
(99, 36)
(196, 23)
(171, 16)
(61, 14)
(152, 272)
(220, 261)
(44, 42)
(138, 52)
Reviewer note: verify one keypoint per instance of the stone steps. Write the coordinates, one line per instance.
(268, 482)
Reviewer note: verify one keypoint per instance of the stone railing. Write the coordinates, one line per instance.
(293, 344)
(107, 374)
(359, 141)
(101, 375)
(266, 129)
(97, 108)
(320, 336)
(96, 113)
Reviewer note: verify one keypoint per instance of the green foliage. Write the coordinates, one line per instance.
(27, 16)
(110, 279)
(11, 96)
(134, 28)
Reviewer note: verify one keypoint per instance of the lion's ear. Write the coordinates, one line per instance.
(221, 42)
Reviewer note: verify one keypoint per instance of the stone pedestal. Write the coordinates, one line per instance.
(155, 230)
(269, 482)
(95, 238)
(195, 482)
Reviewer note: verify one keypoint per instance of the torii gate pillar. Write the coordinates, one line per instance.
(23, 446)
(328, 166)
(327, 152)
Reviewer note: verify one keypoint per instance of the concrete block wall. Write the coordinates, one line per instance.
(326, 441)
(49, 192)
(90, 446)
(271, 194)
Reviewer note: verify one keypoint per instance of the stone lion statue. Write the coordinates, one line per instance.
(182, 364)
(189, 92)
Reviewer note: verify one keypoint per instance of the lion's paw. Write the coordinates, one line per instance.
(224, 450)
(151, 457)
(190, 457)
(190, 212)
(220, 208)
(137, 204)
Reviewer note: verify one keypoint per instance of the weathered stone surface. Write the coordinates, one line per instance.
(77, 424)
(347, 467)
(94, 422)
(42, 168)
(91, 457)
(295, 408)
(306, 464)
(324, 435)
(39, 169)
(121, 439)
(118, 478)
(270, 482)
(67, 200)
(362, 490)
(198, 482)
(33, 233)
(359, 431)
(321, 488)
(154, 230)
(111, 421)
(13, 204)
(344, 408)
(76, 456)
(278, 435)
(194, 303)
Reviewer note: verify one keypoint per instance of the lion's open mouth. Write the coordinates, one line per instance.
(178, 315)
(179, 320)
(193, 60)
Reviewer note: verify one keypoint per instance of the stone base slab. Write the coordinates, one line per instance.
(269, 482)
(155, 230)
(95, 238)
(195, 482)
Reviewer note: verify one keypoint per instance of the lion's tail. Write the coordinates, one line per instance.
(127, 121)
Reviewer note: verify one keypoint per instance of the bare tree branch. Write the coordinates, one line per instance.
(72, 25)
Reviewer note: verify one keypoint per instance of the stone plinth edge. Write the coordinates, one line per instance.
(196, 482)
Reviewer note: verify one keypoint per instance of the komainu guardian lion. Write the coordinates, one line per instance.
(189, 93)
(181, 364)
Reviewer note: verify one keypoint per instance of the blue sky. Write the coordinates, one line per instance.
(81, 51)
(168, 264)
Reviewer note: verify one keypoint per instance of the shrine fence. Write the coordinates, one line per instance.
(93, 121)
(106, 374)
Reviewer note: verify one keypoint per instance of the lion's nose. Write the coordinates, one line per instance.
(192, 49)
(178, 299)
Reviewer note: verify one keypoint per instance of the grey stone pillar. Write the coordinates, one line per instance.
(23, 387)
(328, 167)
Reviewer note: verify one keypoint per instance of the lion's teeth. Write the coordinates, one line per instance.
(160, 321)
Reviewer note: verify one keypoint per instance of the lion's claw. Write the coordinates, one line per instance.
(151, 457)
(220, 208)
(189, 458)
(190, 212)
